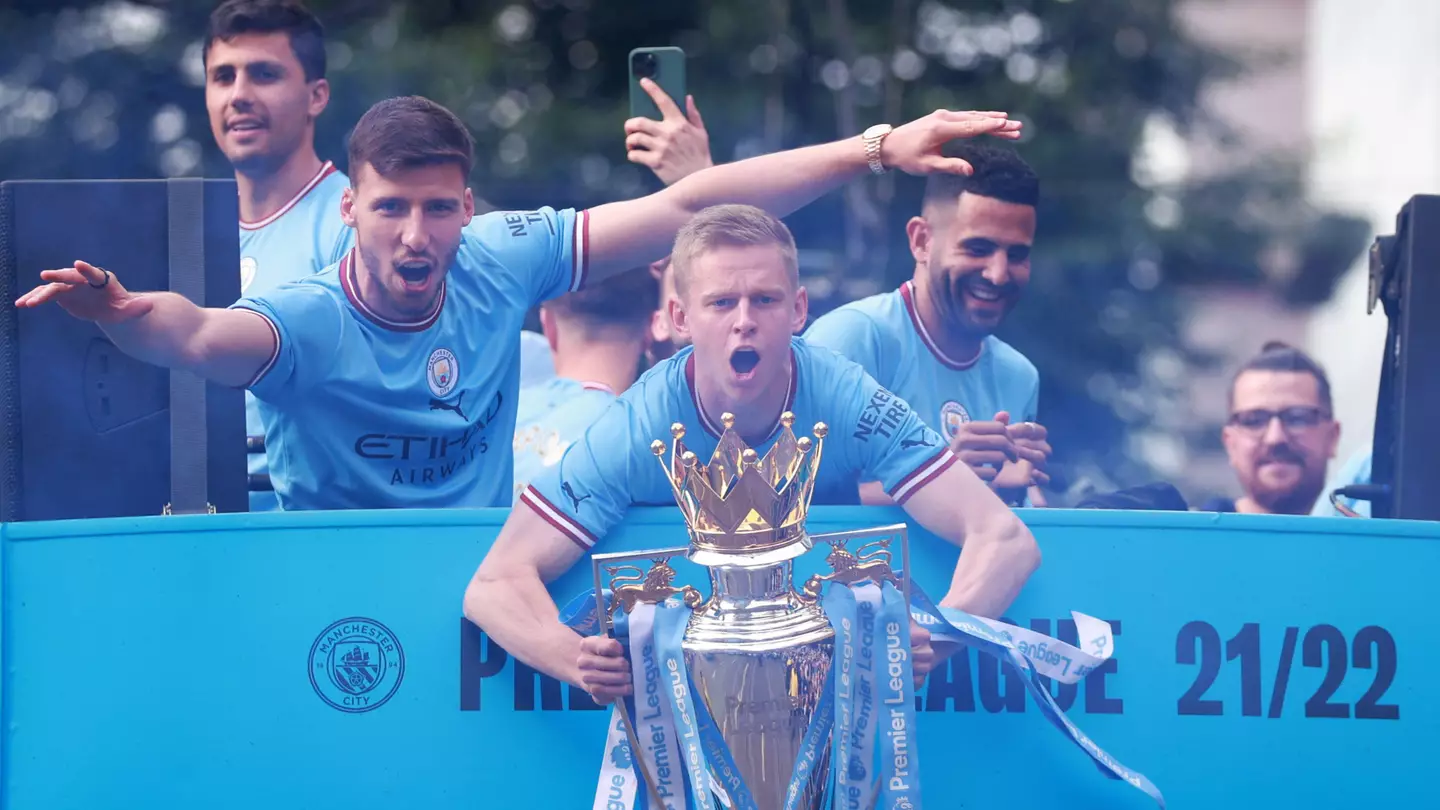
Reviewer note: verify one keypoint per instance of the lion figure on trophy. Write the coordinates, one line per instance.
(870, 561)
(653, 586)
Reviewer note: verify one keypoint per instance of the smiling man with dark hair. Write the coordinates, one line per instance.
(931, 340)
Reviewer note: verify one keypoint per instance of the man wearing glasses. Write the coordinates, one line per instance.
(1281, 433)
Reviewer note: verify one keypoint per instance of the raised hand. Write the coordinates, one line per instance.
(87, 292)
(915, 148)
(604, 672)
(673, 147)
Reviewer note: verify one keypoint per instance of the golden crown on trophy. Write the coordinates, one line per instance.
(740, 503)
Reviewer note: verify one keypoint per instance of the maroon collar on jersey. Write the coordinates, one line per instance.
(326, 170)
(907, 293)
(350, 282)
(716, 430)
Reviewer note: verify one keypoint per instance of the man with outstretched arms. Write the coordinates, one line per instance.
(390, 379)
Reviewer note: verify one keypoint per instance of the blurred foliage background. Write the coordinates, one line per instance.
(115, 89)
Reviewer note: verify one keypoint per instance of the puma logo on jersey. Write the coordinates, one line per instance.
(923, 441)
(570, 493)
(438, 405)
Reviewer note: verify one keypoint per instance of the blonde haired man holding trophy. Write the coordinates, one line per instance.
(742, 383)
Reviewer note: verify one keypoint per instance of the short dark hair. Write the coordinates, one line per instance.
(1280, 356)
(233, 18)
(409, 132)
(1000, 174)
(628, 299)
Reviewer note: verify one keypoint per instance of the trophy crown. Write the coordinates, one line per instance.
(740, 503)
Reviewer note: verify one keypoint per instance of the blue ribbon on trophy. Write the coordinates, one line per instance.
(746, 698)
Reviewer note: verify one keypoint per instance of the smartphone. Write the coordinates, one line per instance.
(665, 67)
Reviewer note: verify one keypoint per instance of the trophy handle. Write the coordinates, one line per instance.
(649, 586)
(871, 561)
(631, 585)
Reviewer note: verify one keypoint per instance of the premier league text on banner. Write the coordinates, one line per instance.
(1363, 662)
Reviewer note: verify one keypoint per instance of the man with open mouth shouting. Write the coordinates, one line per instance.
(739, 302)
(931, 341)
(390, 379)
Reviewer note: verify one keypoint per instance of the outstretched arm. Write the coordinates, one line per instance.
(635, 232)
(227, 346)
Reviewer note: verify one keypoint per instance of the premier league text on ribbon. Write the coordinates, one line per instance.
(651, 715)
(896, 654)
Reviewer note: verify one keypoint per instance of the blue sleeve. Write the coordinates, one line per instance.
(851, 334)
(544, 250)
(307, 326)
(597, 479)
(883, 437)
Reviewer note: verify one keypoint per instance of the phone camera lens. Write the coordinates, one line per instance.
(646, 66)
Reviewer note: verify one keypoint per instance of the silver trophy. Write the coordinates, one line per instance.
(758, 650)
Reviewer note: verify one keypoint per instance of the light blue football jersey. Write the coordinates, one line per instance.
(302, 238)
(552, 416)
(874, 436)
(884, 334)
(365, 412)
(1356, 470)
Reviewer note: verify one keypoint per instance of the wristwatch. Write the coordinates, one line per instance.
(872, 138)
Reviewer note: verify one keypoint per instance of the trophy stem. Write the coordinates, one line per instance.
(759, 655)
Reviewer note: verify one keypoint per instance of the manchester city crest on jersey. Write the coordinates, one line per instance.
(441, 372)
(952, 416)
(356, 665)
(248, 268)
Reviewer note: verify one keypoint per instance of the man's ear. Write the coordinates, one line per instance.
(802, 311)
(347, 206)
(319, 98)
(678, 318)
(918, 231)
(469, 206)
(1334, 440)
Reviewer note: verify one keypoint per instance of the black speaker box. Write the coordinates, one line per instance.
(86, 431)
(1405, 279)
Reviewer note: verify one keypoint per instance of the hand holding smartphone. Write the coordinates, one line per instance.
(665, 131)
(664, 66)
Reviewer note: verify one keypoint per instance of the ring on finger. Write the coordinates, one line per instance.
(102, 284)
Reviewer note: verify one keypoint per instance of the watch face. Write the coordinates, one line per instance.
(877, 131)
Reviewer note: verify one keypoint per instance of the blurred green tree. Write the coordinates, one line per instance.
(114, 89)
